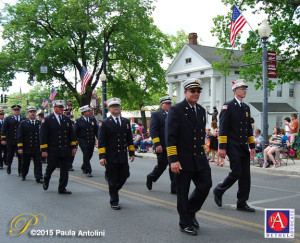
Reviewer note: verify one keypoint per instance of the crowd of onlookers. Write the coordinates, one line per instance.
(281, 139)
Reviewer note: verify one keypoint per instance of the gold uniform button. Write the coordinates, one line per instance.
(195, 138)
(118, 150)
(194, 130)
(195, 146)
(194, 153)
(124, 150)
(201, 153)
(201, 137)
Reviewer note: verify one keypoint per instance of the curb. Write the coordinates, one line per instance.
(290, 172)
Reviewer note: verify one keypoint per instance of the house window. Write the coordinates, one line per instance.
(188, 60)
(188, 75)
(175, 77)
(279, 90)
(236, 72)
(291, 89)
(279, 121)
(202, 72)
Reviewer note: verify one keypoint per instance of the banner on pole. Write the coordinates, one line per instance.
(272, 67)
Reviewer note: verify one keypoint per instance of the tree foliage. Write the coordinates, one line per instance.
(66, 35)
(283, 16)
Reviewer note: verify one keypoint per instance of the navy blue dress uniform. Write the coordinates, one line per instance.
(185, 137)
(86, 130)
(28, 141)
(9, 134)
(58, 140)
(3, 150)
(157, 131)
(67, 112)
(114, 142)
(236, 136)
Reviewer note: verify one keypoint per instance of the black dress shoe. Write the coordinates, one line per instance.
(45, 185)
(149, 183)
(245, 207)
(195, 223)
(65, 191)
(173, 192)
(188, 230)
(89, 175)
(39, 181)
(23, 178)
(83, 171)
(8, 170)
(116, 207)
(218, 198)
(71, 169)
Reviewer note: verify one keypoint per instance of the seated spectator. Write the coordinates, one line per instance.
(274, 143)
(285, 143)
(137, 138)
(207, 143)
(258, 140)
(146, 142)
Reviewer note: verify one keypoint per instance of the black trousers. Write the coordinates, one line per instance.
(70, 162)
(38, 174)
(187, 206)
(61, 160)
(11, 151)
(162, 163)
(3, 155)
(117, 175)
(87, 155)
(240, 171)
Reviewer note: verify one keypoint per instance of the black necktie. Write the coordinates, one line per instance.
(194, 113)
(87, 119)
(32, 122)
(118, 122)
(60, 120)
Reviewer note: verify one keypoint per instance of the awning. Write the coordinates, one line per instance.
(274, 107)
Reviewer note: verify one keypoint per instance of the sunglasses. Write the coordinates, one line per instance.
(195, 91)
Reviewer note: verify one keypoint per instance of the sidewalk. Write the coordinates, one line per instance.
(289, 169)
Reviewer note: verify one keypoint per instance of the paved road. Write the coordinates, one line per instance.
(146, 216)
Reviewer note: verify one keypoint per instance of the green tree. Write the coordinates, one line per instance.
(67, 35)
(283, 16)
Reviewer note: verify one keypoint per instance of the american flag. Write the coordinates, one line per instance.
(237, 23)
(53, 93)
(85, 78)
(45, 103)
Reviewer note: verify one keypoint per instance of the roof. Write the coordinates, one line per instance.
(274, 107)
(208, 53)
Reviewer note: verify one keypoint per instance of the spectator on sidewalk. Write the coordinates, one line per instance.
(294, 128)
(287, 123)
(137, 138)
(274, 143)
(144, 143)
(284, 145)
(258, 140)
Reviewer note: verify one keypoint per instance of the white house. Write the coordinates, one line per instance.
(196, 61)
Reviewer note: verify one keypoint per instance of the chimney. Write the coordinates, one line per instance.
(193, 38)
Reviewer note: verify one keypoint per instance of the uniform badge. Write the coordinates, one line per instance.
(186, 108)
(93, 123)
(224, 107)
(68, 124)
(127, 126)
(203, 118)
(247, 114)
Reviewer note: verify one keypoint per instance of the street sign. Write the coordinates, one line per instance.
(43, 69)
(272, 66)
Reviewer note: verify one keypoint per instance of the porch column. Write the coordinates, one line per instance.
(213, 92)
